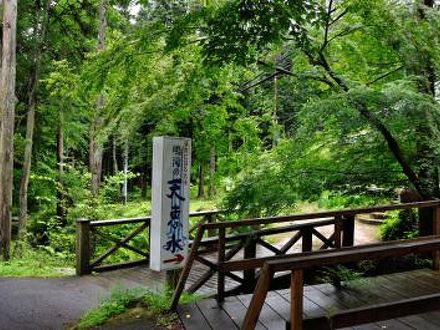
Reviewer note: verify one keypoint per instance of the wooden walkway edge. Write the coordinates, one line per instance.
(321, 300)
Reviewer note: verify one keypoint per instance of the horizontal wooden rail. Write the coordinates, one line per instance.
(268, 231)
(115, 222)
(237, 265)
(351, 254)
(346, 213)
(86, 229)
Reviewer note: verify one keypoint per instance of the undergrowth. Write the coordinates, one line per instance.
(122, 300)
(36, 263)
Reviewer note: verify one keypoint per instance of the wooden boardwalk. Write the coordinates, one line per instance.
(323, 299)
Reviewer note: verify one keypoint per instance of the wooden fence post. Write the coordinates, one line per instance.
(307, 239)
(83, 247)
(436, 231)
(338, 231)
(221, 259)
(296, 300)
(212, 218)
(250, 251)
(348, 231)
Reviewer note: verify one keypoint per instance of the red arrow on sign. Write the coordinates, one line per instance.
(177, 260)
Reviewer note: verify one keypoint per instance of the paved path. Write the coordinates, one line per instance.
(47, 304)
(34, 304)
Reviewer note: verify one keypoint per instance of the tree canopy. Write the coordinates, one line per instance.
(285, 101)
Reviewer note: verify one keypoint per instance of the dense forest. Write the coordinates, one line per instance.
(285, 101)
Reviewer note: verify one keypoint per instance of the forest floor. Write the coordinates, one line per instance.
(58, 303)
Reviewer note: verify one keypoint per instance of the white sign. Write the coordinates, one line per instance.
(170, 202)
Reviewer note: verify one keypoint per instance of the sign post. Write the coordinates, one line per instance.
(170, 203)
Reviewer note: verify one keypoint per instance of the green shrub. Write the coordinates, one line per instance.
(37, 262)
(119, 301)
(330, 200)
(399, 225)
(110, 191)
(340, 274)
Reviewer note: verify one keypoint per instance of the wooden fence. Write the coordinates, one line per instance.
(297, 264)
(89, 233)
(228, 245)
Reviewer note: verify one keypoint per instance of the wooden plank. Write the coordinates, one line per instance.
(268, 316)
(329, 304)
(122, 221)
(249, 275)
(399, 283)
(291, 242)
(186, 270)
(279, 304)
(192, 318)
(211, 271)
(119, 243)
(386, 311)
(83, 247)
(377, 290)
(237, 311)
(348, 231)
(215, 315)
(382, 325)
(311, 309)
(430, 279)
(419, 322)
(328, 242)
(320, 215)
(351, 254)
(349, 297)
(338, 231)
(268, 246)
(220, 259)
(114, 222)
(346, 254)
(436, 231)
(404, 286)
(268, 231)
(128, 264)
(215, 267)
(296, 300)
(307, 239)
(258, 298)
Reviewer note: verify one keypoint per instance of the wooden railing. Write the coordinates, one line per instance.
(297, 264)
(228, 245)
(88, 232)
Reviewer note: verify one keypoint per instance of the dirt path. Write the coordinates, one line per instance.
(364, 233)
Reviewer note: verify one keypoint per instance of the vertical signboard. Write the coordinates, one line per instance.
(170, 202)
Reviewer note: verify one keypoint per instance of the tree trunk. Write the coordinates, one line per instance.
(115, 159)
(61, 196)
(201, 192)
(40, 31)
(426, 159)
(96, 144)
(212, 169)
(276, 133)
(125, 186)
(7, 111)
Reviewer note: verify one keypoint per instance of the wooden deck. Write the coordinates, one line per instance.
(323, 299)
